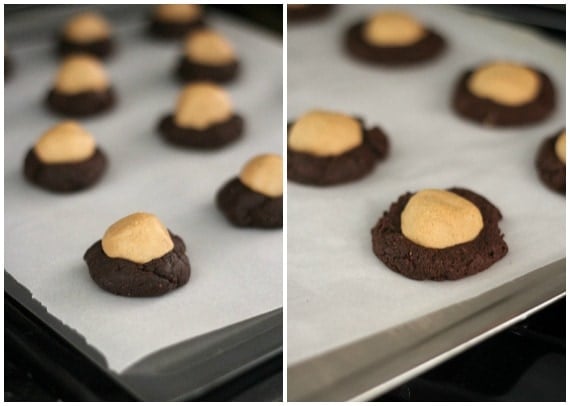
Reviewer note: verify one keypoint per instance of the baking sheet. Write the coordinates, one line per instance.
(236, 273)
(338, 291)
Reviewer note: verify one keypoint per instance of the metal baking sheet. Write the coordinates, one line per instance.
(236, 274)
(339, 294)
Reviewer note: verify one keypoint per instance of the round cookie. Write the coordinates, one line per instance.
(307, 12)
(138, 257)
(207, 56)
(173, 21)
(255, 197)
(204, 118)
(551, 161)
(504, 94)
(86, 33)
(65, 159)
(81, 88)
(460, 224)
(392, 39)
(326, 148)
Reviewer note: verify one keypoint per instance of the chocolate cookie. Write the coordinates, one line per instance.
(81, 88)
(207, 56)
(357, 162)
(204, 118)
(215, 136)
(101, 48)
(255, 198)
(392, 39)
(414, 261)
(66, 177)
(8, 67)
(173, 21)
(138, 256)
(86, 33)
(551, 169)
(65, 159)
(307, 12)
(489, 112)
(244, 207)
(126, 278)
(188, 71)
(82, 104)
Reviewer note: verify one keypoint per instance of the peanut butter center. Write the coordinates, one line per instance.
(201, 105)
(139, 237)
(560, 146)
(393, 29)
(505, 83)
(209, 48)
(440, 219)
(87, 27)
(324, 133)
(66, 142)
(178, 13)
(81, 73)
(264, 174)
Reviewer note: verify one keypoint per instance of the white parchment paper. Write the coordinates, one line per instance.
(236, 273)
(338, 291)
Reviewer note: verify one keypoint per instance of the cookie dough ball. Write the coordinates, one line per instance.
(327, 148)
(439, 235)
(86, 33)
(207, 56)
(81, 88)
(172, 21)
(297, 13)
(65, 159)
(138, 256)
(551, 161)
(204, 118)
(393, 38)
(504, 93)
(255, 197)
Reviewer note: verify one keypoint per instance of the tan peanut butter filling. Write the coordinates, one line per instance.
(440, 219)
(505, 83)
(393, 29)
(81, 73)
(560, 146)
(66, 142)
(87, 27)
(139, 237)
(178, 13)
(201, 105)
(264, 174)
(209, 48)
(323, 133)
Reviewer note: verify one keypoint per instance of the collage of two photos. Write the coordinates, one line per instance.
(284, 202)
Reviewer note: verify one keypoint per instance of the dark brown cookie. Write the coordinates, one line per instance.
(8, 67)
(215, 136)
(101, 49)
(126, 278)
(173, 30)
(352, 165)
(309, 12)
(430, 46)
(189, 71)
(416, 262)
(488, 112)
(69, 177)
(551, 170)
(244, 207)
(81, 104)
